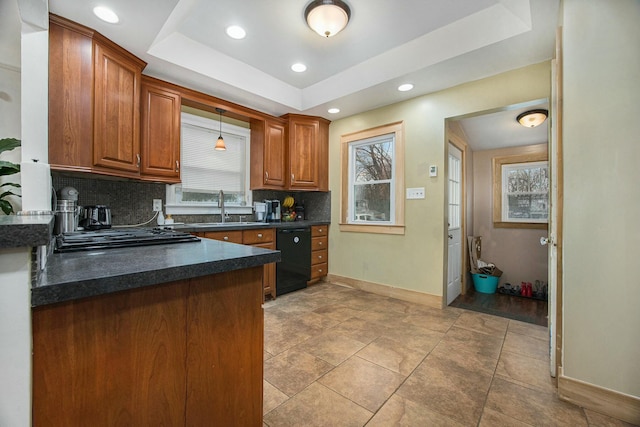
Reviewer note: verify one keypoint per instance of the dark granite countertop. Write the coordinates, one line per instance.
(75, 275)
(25, 231)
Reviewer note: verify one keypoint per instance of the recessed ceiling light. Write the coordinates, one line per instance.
(236, 32)
(299, 67)
(333, 110)
(405, 87)
(106, 14)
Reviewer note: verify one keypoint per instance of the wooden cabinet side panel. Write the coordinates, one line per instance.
(116, 141)
(225, 349)
(160, 133)
(117, 359)
(70, 99)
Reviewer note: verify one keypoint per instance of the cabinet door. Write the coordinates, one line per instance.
(269, 272)
(234, 236)
(274, 154)
(70, 97)
(116, 142)
(160, 135)
(303, 153)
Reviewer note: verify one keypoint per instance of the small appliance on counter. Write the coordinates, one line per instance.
(260, 211)
(96, 217)
(273, 213)
(299, 209)
(66, 211)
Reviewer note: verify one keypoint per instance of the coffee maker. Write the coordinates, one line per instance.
(273, 211)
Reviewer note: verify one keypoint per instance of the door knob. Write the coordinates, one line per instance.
(546, 241)
(451, 236)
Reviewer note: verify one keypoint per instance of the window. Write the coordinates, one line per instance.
(521, 191)
(205, 171)
(373, 180)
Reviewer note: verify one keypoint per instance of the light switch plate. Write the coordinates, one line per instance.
(415, 193)
(433, 170)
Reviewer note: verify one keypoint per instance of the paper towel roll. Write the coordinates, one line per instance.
(35, 179)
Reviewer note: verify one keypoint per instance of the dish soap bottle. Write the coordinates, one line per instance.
(160, 218)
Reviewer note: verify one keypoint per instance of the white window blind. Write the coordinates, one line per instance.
(205, 170)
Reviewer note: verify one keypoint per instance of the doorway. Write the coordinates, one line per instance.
(484, 136)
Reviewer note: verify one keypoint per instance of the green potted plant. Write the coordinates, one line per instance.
(8, 168)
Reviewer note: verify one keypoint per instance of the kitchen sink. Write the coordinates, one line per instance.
(224, 224)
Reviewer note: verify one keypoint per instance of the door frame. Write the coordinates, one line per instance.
(455, 136)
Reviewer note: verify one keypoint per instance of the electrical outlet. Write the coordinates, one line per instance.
(415, 193)
(157, 205)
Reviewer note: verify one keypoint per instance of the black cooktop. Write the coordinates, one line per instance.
(119, 238)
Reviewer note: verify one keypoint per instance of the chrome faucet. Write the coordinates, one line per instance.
(221, 205)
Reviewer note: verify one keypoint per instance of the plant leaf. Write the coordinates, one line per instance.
(11, 184)
(8, 168)
(7, 144)
(6, 207)
(8, 193)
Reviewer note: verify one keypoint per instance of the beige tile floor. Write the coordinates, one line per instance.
(336, 356)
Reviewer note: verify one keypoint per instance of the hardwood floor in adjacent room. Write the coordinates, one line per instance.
(337, 356)
(527, 310)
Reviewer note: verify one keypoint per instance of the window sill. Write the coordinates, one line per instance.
(373, 228)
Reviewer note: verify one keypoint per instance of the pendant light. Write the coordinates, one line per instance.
(327, 17)
(220, 143)
(532, 118)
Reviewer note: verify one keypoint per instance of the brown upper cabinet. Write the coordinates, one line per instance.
(308, 139)
(94, 102)
(290, 154)
(160, 131)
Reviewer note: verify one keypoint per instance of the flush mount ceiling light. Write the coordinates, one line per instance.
(333, 110)
(532, 118)
(299, 67)
(236, 32)
(220, 143)
(327, 17)
(106, 14)
(405, 87)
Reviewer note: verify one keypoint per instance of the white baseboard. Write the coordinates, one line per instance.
(429, 300)
(599, 399)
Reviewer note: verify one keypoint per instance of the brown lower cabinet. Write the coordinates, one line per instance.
(184, 353)
(261, 237)
(319, 252)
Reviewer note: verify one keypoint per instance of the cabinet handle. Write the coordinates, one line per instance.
(138, 163)
(266, 176)
(319, 256)
(293, 177)
(225, 238)
(319, 243)
(260, 235)
(319, 230)
(177, 166)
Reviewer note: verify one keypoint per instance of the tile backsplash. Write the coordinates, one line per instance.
(130, 201)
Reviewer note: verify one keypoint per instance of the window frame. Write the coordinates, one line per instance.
(348, 142)
(498, 164)
(175, 207)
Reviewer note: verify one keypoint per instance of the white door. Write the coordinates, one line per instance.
(454, 267)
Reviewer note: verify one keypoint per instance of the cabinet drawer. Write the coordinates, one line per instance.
(318, 243)
(227, 236)
(262, 235)
(319, 230)
(319, 270)
(319, 257)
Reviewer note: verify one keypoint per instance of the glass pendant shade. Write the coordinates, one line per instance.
(220, 142)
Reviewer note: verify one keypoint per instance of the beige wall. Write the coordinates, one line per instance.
(516, 251)
(601, 138)
(415, 261)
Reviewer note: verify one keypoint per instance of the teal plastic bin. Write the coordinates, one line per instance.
(485, 283)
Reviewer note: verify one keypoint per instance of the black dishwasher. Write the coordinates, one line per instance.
(294, 269)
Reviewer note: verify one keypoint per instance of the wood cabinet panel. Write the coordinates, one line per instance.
(319, 230)
(70, 96)
(319, 256)
(116, 141)
(268, 154)
(269, 273)
(308, 152)
(225, 350)
(234, 236)
(318, 243)
(262, 235)
(319, 270)
(117, 359)
(160, 133)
